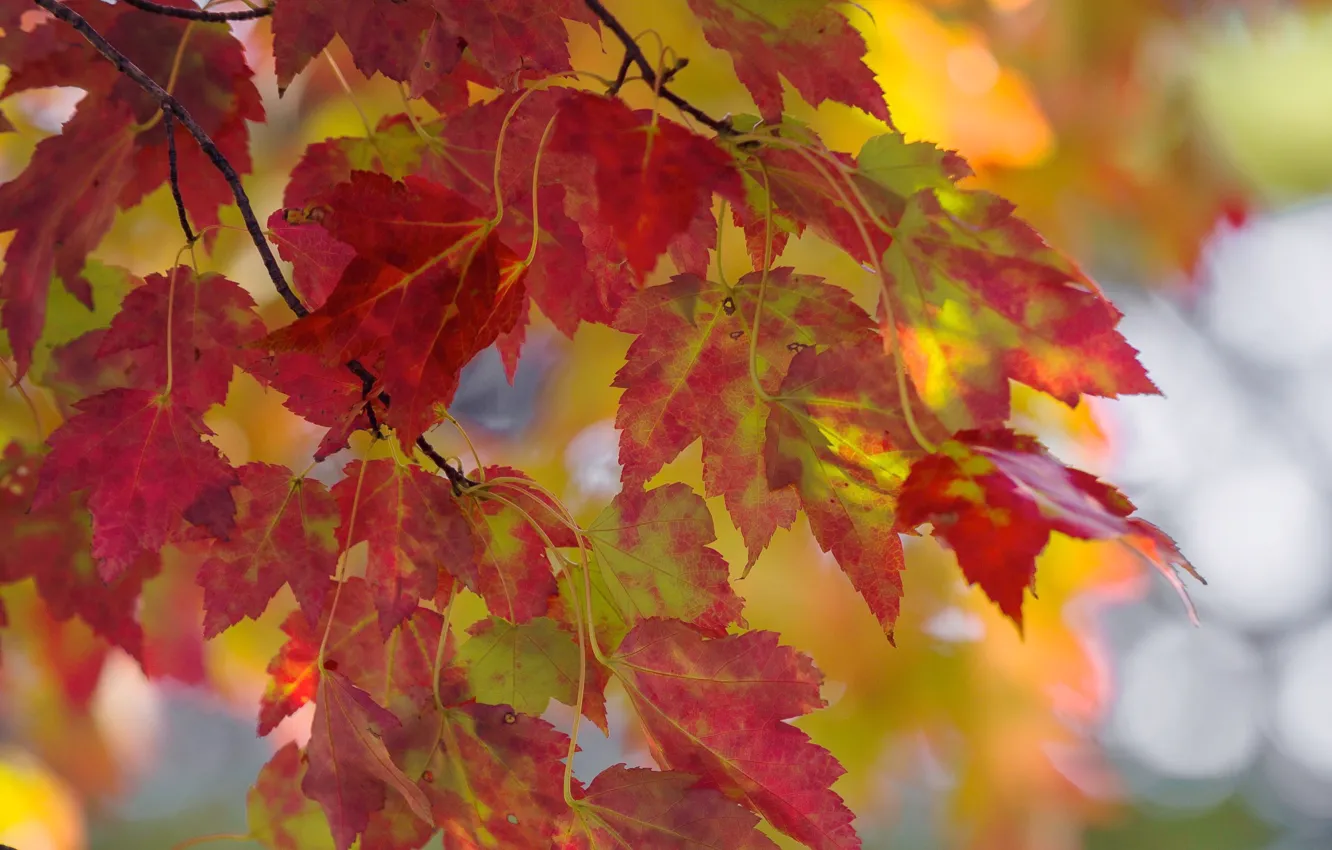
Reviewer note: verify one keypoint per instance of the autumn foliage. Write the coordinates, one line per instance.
(415, 248)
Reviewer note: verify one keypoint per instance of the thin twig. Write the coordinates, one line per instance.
(172, 108)
(625, 64)
(200, 14)
(721, 127)
(169, 123)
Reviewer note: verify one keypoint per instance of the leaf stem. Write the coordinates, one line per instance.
(536, 186)
(347, 89)
(499, 155)
(763, 288)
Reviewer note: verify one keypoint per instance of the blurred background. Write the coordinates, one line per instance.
(1182, 151)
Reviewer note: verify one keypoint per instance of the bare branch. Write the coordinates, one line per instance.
(720, 126)
(200, 14)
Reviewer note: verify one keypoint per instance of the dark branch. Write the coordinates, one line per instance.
(170, 124)
(200, 14)
(171, 105)
(456, 478)
(172, 108)
(721, 127)
(625, 64)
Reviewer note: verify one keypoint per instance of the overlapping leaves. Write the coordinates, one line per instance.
(421, 245)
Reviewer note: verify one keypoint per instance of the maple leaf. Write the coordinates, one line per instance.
(317, 259)
(384, 36)
(430, 287)
(756, 220)
(61, 206)
(687, 376)
(51, 545)
(493, 776)
(522, 665)
(284, 535)
(570, 278)
(514, 572)
(398, 671)
(415, 528)
(974, 295)
(652, 550)
(976, 289)
(840, 437)
(280, 816)
(145, 466)
(995, 496)
(511, 36)
(638, 807)
(349, 767)
(207, 322)
(808, 42)
(653, 177)
(714, 708)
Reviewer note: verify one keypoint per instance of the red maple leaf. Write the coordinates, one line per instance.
(146, 467)
(279, 814)
(384, 36)
(840, 438)
(511, 36)
(334, 398)
(515, 577)
(397, 673)
(492, 775)
(995, 496)
(653, 177)
(283, 535)
(208, 323)
(638, 807)
(808, 42)
(395, 148)
(350, 769)
(51, 545)
(714, 709)
(430, 287)
(317, 259)
(61, 206)
(416, 530)
(974, 295)
(688, 376)
(567, 278)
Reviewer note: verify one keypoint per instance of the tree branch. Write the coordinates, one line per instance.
(200, 14)
(172, 108)
(170, 104)
(174, 170)
(720, 126)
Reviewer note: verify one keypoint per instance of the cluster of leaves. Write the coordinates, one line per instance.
(420, 245)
